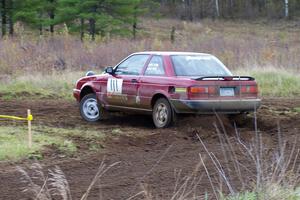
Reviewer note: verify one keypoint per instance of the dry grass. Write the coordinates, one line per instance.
(31, 65)
(238, 44)
(276, 175)
(41, 186)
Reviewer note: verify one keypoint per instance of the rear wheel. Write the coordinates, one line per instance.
(162, 113)
(89, 108)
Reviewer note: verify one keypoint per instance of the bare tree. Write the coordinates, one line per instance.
(217, 8)
(286, 6)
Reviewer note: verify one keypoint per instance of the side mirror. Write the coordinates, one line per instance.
(109, 70)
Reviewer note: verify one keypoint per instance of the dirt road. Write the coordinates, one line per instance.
(149, 158)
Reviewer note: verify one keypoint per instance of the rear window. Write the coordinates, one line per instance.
(198, 65)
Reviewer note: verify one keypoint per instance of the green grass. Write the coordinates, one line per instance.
(296, 109)
(275, 82)
(275, 192)
(14, 143)
(272, 83)
(242, 196)
(82, 133)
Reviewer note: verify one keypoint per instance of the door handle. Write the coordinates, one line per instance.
(134, 81)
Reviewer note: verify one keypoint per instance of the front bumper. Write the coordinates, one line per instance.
(211, 106)
(76, 94)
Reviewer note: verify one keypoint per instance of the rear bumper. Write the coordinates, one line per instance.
(211, 106)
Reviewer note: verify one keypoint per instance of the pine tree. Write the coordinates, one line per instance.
(68, 13)
(107, 16)
(95, 16)
(7, 12)
(10, 13)
(141, 7)
(36, 13)
(3, 17)
(50, 9)
(31, 13)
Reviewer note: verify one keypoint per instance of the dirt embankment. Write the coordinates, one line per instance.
(149, 158)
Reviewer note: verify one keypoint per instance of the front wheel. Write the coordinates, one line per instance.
(162, 113)
(89, 108)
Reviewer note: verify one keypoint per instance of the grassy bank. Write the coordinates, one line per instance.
(272, 83)
(14, 142)
(37, 85)
(239, 44)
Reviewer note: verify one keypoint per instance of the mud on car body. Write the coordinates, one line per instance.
(165, 84)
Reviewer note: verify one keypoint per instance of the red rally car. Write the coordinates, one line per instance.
(165, 84)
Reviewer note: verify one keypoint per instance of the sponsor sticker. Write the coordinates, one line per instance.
(138, 100)
(114, 86)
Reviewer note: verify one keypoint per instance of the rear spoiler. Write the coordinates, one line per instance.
(225, 78)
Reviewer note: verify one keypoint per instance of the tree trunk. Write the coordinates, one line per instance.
(134, 25)
(286, 10)
(41, 29)
(81, 29)
(10, 18)
(51, 25)
(230, 8)
(201, 9)
(188, 15)
(3, 17)
(40, 24)
(92, 23)
(217, 8)
(190, 10)
(173, 34)
(51, 13)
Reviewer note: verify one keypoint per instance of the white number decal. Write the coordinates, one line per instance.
(114, 86)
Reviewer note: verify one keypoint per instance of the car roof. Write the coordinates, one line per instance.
(171, 53)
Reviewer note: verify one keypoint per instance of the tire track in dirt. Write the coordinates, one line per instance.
(140, 149)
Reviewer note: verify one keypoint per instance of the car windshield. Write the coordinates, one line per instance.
(199, 66)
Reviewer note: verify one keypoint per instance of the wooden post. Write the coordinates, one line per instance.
(173, 34)
(29, 130)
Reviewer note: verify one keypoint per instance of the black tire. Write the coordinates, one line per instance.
(90, 109)
(161, 119)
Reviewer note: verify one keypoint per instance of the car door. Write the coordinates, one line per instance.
(122, 86)
(153, 80)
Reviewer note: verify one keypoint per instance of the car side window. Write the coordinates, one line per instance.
(155, 67)
(132, 65)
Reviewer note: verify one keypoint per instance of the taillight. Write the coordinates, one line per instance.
(195, 92)
(198, 90)
(249, 89)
